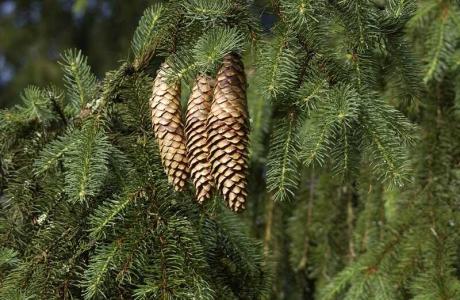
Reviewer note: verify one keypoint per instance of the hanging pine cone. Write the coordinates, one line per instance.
(198, 108)
(228, 132)
(168, 128)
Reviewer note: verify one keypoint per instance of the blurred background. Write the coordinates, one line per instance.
(34, 33)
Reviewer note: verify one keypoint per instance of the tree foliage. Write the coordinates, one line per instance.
(354, 162)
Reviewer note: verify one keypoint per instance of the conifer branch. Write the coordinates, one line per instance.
(86, 210)
(53, 152)
(106, 214)
(86, 164)
(282, 174)
(35, 106)
(279, 68)
(149, 32)
(99, 268)
(209, 12)
(79, 81)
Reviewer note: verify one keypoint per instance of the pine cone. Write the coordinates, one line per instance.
(168, 128)
(228, 132)
(198, 108)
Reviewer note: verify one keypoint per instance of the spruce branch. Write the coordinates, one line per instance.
(330, 121)
(8, 257)
(53, 152)
(108, 213)
(396, 14)
(387, 154)
(86, 164)
(283, 174)
(151, 29)
(207, 53)
(300, 13)
(442, 40)
(99, 268)
(405, 72)
(79, 81)
(311, 92)
(278, 66)
(359, 17)
(111, 88)
(212, 46)
(56, 97)
(35, 106)
(174, 272)
(208, 12)
(438, 279)
(346, 153)
(332, 71)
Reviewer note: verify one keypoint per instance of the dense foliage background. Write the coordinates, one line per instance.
(354, 151)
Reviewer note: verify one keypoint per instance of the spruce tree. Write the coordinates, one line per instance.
(353, 165)
(365, 145)
(87, 211)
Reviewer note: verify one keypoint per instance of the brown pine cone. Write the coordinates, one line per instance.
(228, 132)
(198, 108)
(168, 128)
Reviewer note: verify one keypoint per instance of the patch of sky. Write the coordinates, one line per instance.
(6, 71)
